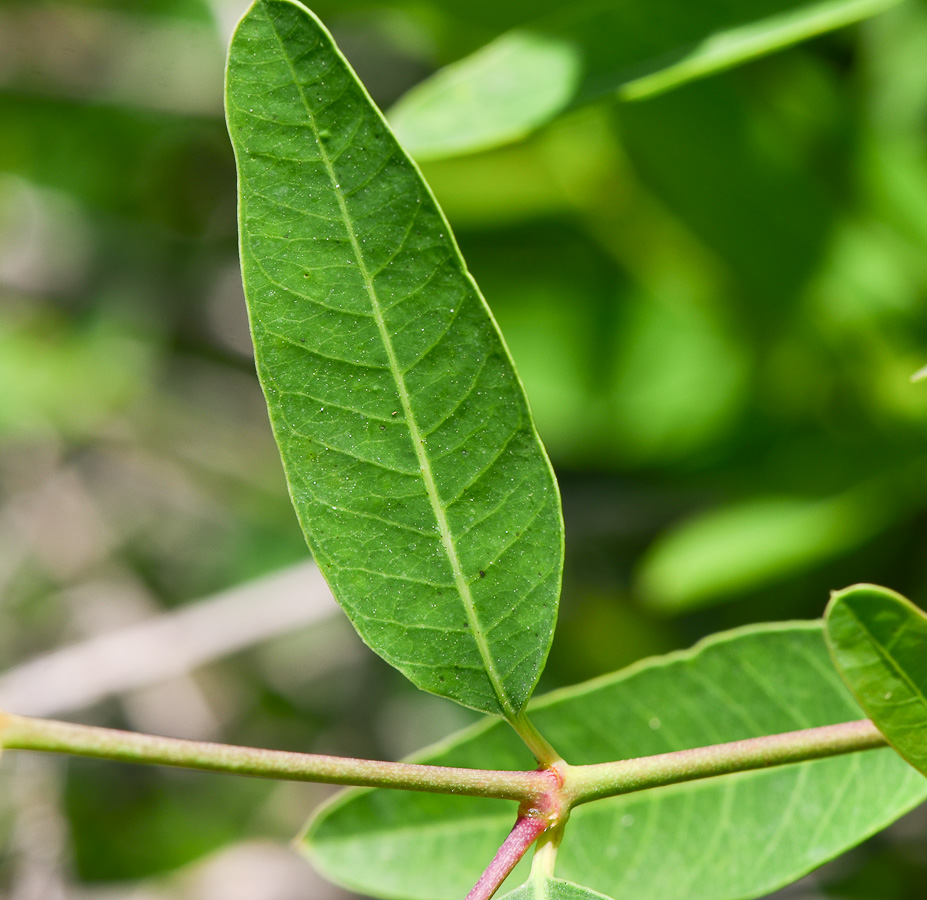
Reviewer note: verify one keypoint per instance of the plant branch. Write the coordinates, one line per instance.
(585, 783)
(521, 837)
(548, 792)
(168, 645)
(23, 733)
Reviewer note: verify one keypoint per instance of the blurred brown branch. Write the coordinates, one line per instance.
(167, 646)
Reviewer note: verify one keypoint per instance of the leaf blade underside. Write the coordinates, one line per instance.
(723, 838)
(411, 457)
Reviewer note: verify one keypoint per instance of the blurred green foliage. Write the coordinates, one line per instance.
(716, 299)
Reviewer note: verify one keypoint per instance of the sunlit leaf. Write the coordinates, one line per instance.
(718, 839)
(879, 642)
(677, 379)
(530, 75)
(69, 379)
(412, 460)
(713, 556)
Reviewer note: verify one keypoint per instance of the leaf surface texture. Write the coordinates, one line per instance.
(412, 460)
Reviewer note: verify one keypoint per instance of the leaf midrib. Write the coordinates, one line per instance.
(418, 444)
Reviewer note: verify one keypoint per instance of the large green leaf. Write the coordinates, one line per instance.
(735, 836)
(553, 889)
(530, 75)
(412, 460)
(878, 640)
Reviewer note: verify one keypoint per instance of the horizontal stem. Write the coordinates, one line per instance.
(585, 783)
(561, 787)
(23, 733)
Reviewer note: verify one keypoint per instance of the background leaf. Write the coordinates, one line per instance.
(878, 640)
(714, 556)
(530, 75)
(717, 839)
(418, 478)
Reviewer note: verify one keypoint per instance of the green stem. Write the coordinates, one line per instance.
(585, 783)
(545, 856)
(22, 733)
(550, 792)
(543, 752)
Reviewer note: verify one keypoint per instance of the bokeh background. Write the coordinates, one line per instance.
(716, 298)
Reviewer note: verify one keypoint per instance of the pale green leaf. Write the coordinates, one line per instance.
(878, 640)
(553, 889)
(412, 460)
(530, 75)
(716, 555)
(734, 836)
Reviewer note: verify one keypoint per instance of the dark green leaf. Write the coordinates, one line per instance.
(412, 460)
(878, 640)
(718, 839)
(751, 197)
(133, 173)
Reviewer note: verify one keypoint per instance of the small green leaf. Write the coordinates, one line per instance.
(530, 75)
(878, 640)
(722, 838)
(412, 460)
(553, 889)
